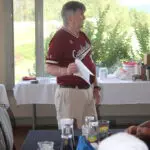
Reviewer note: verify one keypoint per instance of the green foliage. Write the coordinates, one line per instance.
(142, 32)
(143, 35)
(109, 43)
(111, 31)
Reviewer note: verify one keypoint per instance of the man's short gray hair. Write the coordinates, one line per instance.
(70, 8)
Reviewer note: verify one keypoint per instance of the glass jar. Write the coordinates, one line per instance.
(85, 127)
(103, 72)
(103, 129)
(92, 132)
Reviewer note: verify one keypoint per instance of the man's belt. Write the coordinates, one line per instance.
(75, 86)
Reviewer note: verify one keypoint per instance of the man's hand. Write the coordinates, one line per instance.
(131, 130)
(96, 93)
(143, 132)
(72, 68)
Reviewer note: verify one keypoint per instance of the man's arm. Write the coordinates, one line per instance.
(96, 86)
(145, 124)
(61, 71)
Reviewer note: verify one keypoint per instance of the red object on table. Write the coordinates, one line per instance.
(26, 78)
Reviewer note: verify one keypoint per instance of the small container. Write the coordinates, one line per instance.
(103, 129)
(45, 145)
(34, 82)
(103, 72)
(143, 72)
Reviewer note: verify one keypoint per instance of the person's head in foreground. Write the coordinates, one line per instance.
(122, 141)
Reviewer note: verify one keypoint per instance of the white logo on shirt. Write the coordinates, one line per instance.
(84, 50)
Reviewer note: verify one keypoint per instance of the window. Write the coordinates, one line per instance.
(24, 38)
(35, 21)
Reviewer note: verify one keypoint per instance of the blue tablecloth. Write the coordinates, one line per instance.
(35, 136)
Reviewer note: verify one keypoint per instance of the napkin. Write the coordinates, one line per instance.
(84, 72)
(83, 144)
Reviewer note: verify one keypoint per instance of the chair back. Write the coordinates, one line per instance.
(6, 128)
(3, 141)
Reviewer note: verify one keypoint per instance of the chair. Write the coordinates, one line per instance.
(3, 143)
(6, 129)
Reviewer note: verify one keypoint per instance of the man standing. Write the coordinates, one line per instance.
(74, 97)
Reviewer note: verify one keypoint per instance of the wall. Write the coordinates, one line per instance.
(2, 54)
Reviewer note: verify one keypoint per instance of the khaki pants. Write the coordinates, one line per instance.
(74, 103)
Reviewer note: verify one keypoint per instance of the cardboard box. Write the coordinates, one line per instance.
(147, 59)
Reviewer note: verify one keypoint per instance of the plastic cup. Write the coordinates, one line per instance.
(103, 129)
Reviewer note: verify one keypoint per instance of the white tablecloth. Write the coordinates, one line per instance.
(3, 96)
(114, 92)
(117, 92)
(41, 93)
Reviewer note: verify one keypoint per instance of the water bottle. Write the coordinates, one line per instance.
(66, 144)
(67, 134)
(92, 132)
(85, 127)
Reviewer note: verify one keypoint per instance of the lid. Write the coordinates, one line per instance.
(66, 121)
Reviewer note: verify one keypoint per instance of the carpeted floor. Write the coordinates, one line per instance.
(20, 134)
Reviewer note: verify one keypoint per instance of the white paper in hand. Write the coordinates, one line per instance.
(84, 72)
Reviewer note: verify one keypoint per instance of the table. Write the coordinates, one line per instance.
(3, 96)
(119, 92)
(114, 92)
(34, 136)
(42, 93)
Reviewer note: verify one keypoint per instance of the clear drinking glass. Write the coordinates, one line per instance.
(45, 145)
(103, 72)
(85, 127)
(103, 129)
(92, 132)
(67, 128)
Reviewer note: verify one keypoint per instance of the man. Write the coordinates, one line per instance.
(74, 96)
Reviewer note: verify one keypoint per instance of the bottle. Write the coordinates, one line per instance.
(67, 144)
(137, 70)
(92, 132)
(148, 72)
(67, 134)
(85, 127)
(143, 72)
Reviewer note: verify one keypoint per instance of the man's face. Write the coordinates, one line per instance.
(77, 19)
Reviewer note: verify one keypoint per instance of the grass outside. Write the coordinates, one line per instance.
(24, 35)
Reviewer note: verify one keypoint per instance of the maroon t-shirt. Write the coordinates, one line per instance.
(63, 47)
